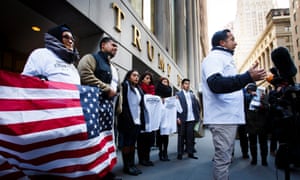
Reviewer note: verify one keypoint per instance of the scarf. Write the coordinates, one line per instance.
(60, 50)
(148, 89)
(163, 90)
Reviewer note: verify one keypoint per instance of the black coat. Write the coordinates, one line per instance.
(125, 121)
(256, 120)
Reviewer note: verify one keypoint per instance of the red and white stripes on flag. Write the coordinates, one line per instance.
(52, 128)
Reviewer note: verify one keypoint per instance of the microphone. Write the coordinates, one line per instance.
(282, 60)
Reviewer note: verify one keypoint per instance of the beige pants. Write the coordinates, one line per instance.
(223, 140)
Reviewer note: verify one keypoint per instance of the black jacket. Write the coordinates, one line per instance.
(183, 103)
(125, 120)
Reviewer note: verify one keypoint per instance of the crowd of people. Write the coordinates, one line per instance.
(238, 105)
(142, 107)
(241, 106)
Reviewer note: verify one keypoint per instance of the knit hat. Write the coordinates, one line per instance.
(57, 31)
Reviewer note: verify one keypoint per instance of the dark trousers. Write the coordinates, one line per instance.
(244, 142)
(263, 144)
(127, 141)
(185, 137)
(274, 141)
(162, 143)
(144, 142)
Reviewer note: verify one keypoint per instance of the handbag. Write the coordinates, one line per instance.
(199, 130)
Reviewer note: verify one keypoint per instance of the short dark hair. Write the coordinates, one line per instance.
(219, 36)
(105, 40)
(184, 80)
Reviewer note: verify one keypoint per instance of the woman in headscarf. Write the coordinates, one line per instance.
(55, 62)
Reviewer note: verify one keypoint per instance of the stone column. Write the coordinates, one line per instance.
(190, 41)
(268, 59)
(162, 23)
(197, 46)
(180, 34)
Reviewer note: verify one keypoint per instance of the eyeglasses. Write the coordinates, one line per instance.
(69, 38)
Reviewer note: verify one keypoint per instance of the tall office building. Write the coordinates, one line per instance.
(167, 38)
(295, 27)
(250, 22)
(277, 33)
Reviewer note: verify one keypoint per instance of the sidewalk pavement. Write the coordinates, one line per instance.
(201, 169)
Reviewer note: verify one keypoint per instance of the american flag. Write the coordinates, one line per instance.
(53, 129)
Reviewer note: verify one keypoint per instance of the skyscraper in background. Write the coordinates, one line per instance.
(250, 22)
(295, 27)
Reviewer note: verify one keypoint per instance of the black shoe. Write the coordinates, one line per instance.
(166, 158)
(245, 156)
(150, 163)
(146, 163)
(160, 156)
(111, 176)
(137, 170)
(192, 156)
(253, 162)
(179, 157)
(264, 163)
(131, 171)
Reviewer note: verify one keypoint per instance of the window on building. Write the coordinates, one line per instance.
(287, 29)
(295, 17)
(299, 55)
(296, 29)
(173, 37)
(147, 13)
(138, 7)
(286, 12)
(144, 10)
(287, 39)
(297, 42)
